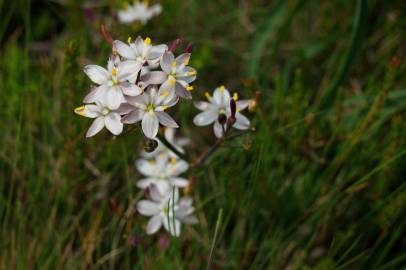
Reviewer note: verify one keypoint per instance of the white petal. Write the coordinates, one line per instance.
(133, 117)
(179, 182)
(146, 167)
(166, 120)
(222, 97)
(154, 224)
(97, 125)
(205, 118)
(124, 50)
(202, 105)
(97, 74)
(113, 123)
(157, 51)
(172, 225)
(180, 167)
(146, 183)
(114, 97)
(90, 110)
(181, 91)
(218, 129)
(150, 125)
(242, 104)
(184, 74)
(148, 208)
(166, 62)
(242, 122)
(183, 59)
(128, 71)
(154, 77)
(155, 194)
(163, 186)
(130, 89)
(97, 93)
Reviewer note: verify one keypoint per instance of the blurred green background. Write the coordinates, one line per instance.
(320, 184)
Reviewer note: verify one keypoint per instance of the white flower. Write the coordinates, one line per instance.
(140, 50)
(139, 11)
(167, 209)
(177, 143)
(150, 109)
(180, 75)
(164, 172)
(104, 117)
(115, 81)
(219, 104)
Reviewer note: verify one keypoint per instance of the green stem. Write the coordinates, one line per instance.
(172, 148)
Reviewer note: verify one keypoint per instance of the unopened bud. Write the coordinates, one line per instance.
(150, 145)
(174, 44)
(189, 48)
(233, 107)
(106, 34)
(222, 118)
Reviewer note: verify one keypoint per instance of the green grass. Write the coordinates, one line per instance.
(319, 184)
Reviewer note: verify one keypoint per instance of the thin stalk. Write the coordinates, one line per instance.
(213, 244)
(172, 148)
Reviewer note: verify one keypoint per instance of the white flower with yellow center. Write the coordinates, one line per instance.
(167, 209)
(219, 105)
(139, 12)
(180, 75)
(149, 108)
(104, 117)
(113, 83)
(163, 171)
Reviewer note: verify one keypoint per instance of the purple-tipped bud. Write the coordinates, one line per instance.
(233, 109)
(174, 44)
(222, 118)
(189, 48)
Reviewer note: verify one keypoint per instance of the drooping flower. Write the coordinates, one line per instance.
(177, 143)
(163, 171)
(104, 117)
(217, 107)
(150, 109)
(167, 209)
(114, 82)
(180, 75)
(139, 11)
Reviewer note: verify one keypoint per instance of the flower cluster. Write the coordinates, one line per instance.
(138, 12)
(162, 170)
(219, 111)
(140, 83)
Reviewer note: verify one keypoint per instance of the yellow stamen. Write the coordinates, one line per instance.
(146, 2)
(173, 160)
(129, 40)
(80, 110)
(148, 41)
(166, 93)
(152, 161)
(222, 88)
(191, 73)
(207, 95)
(114, 72)
(171, 81)
(164, 107)
(235, 96)
(237, 110)
(186, 62)
(174, 64)
(189, 88)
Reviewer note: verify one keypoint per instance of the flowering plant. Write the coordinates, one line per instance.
(141, 83)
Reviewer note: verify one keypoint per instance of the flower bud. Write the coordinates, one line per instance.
(222, 118)
(150, 145)
(189, 48)
(233, 108)
(106, 34)
(174, 44)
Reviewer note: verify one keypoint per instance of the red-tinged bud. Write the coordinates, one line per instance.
(174, 44)
(222, 118)
(233, 108)
(114, 206)
(106, 34)
(189, 48)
